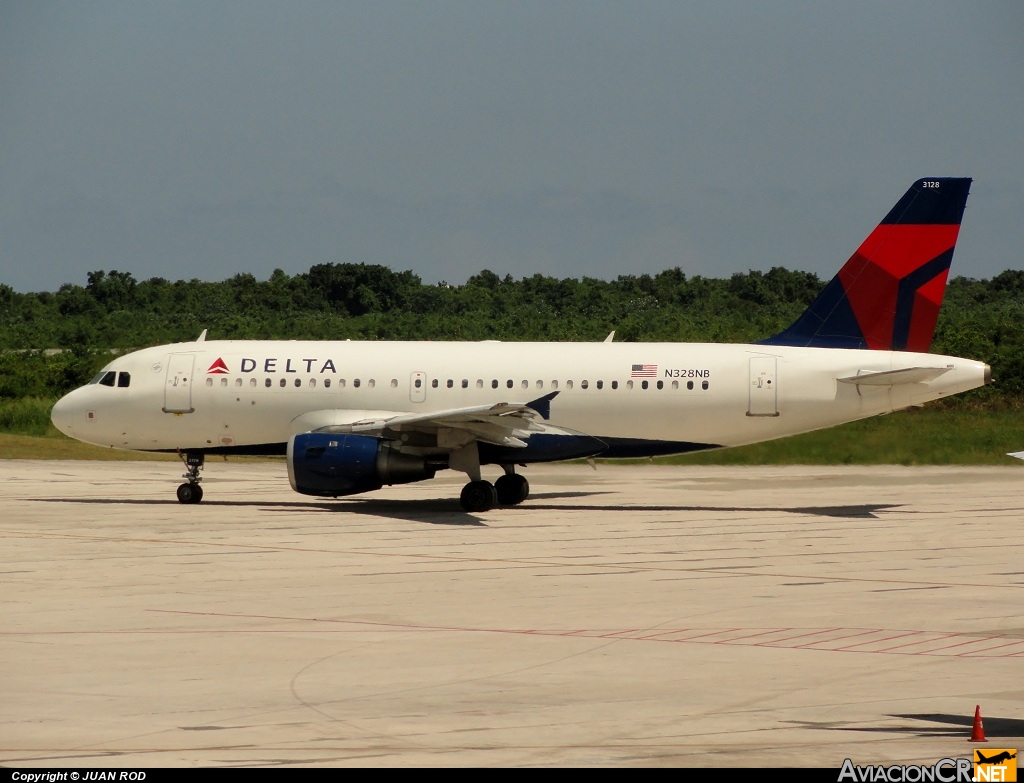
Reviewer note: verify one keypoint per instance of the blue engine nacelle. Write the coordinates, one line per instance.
(333, 465)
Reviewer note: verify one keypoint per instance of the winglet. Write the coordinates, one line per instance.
(543, 405)
(887, 296)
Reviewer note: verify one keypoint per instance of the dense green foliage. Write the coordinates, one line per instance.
(113, 312)
(26, 416)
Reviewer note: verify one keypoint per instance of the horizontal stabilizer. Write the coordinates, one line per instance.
(1016, 454)
(895, 377)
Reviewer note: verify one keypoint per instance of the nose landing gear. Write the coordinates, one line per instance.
(190, 491)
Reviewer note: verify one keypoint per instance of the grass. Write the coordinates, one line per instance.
(27, 416)
(920, 436)
(57, 446)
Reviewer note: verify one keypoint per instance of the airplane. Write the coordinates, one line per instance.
(996, 759)
(353, 416)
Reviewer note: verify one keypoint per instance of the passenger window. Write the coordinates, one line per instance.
(508, 383)
(494, 384)
(223, 382)
(312, 383)
(540, 384)
(298, 382)
(267, 382)
(355, 383)
(450, 383)
(689, 385)
(661, 384)
(479, 383)
(615, 384)
(394, 383)
(327, 383)
(124, 380)
(554, 384)
(600, 384)
(629, 384)
(371, 383)
(675, 384)
(568, 384)
(465, 383)
(644, 384)
(238, 381)
(584, 384)
(418, 383)
(433, 383)
(252, 383)
(209, 381)
(704, 385)
(283, 382)
(341, 383)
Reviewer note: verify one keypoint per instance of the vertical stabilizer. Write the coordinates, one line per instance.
(887, 296)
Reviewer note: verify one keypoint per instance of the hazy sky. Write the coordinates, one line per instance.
(188, 139)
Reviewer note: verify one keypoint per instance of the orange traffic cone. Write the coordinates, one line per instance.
(978, 732)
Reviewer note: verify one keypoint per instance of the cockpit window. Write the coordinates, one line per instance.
(105, 378)
(124, 380)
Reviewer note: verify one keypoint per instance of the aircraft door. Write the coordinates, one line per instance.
(418, 386)
(178, 388)
(763, 387)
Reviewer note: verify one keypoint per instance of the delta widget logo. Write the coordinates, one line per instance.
(218, 368)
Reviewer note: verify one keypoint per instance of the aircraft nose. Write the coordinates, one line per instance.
(63, 416)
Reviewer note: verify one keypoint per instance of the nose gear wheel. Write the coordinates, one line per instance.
(190, 491)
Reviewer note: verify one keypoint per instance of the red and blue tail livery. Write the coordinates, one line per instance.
(887, 296)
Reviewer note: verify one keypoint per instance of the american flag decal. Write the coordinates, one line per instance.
(644, 371)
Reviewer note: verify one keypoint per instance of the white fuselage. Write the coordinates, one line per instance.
(244, 394)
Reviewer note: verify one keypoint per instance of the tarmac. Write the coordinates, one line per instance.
(626, 616)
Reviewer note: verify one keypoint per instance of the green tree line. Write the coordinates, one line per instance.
(114, 312)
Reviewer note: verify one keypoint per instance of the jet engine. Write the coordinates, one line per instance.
(330, 465)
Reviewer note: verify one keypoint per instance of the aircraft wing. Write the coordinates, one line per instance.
(503, 423)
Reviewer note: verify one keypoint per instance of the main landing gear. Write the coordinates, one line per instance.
(190, 491)
(509, 490)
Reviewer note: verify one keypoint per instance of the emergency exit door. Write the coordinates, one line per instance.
(418, 386)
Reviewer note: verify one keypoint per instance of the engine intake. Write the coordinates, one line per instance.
(329, 465)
